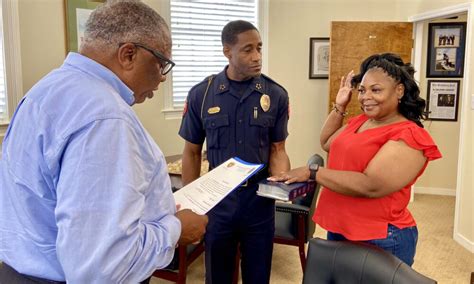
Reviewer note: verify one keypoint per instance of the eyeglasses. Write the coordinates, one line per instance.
(166, 64)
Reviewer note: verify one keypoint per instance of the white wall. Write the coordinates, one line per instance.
(164, 131)
(43, 48)
(441, 177)
(42, 38)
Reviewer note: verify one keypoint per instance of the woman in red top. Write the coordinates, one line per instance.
(374, 159)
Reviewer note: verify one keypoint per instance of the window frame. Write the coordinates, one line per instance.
(12, 56)
(171, 112)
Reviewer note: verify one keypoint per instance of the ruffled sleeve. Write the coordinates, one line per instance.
(418, 138)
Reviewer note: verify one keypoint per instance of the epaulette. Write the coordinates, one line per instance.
(273, 81)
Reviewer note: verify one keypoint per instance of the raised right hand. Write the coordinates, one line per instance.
(193, 226)
(344, 94)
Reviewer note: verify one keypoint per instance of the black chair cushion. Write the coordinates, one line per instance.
(286, 219)
(349, 262)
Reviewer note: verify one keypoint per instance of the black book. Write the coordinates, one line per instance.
(283, 191)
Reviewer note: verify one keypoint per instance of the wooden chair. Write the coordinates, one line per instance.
(293, 224)
(177, 269)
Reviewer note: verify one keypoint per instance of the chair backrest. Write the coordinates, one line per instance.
(349, 262)
(309, 200)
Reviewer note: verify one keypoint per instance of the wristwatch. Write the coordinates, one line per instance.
(313, 169)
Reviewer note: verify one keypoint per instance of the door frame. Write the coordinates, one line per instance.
(466, 98)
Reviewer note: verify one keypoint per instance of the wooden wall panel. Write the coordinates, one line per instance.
(352, 42)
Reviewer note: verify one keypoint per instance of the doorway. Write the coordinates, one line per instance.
(464, 200)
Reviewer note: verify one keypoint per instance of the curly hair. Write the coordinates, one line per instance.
(411, 106)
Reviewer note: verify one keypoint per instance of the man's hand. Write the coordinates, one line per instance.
(193, 226)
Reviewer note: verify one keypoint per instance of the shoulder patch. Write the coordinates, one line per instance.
(185, 108)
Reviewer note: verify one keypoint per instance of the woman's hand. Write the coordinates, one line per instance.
(295, 175)
(345, 91)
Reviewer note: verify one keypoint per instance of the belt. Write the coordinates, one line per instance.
(9, 275)
(256, 178)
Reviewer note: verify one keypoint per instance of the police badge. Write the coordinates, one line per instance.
(265, 102)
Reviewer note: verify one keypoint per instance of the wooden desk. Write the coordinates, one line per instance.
(173, 158)
(176, 181)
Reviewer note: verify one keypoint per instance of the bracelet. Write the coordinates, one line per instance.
(334, 107)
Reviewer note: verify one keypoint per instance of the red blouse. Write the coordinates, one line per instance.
(367, 218)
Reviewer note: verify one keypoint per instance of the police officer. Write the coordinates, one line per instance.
(242, 113)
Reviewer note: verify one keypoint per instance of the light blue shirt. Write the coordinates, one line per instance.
(84, 191)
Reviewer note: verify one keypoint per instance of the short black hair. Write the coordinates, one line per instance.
(411, 106)
(232, 29)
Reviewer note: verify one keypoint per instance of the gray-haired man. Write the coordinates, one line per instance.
(84, 192)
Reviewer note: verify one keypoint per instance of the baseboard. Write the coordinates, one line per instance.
(463, 241)
(435, 190)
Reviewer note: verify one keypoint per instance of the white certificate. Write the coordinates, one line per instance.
(207, 191)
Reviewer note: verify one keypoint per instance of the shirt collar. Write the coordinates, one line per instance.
(93, 68)
(222, 83)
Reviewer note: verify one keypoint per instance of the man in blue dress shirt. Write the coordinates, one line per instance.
(242, 113)
(85, 196)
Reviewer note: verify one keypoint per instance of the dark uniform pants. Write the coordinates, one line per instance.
(244, 219)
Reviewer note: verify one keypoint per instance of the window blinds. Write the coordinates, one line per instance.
(196, 32)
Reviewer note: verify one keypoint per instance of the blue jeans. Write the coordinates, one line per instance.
(399, 242)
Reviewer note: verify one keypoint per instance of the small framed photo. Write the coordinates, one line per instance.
(318, 58)
(76, 13)
(446, 44)
(443, 100)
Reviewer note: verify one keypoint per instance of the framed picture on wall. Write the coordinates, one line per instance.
(76, 13)
(443, 100)
(446, 45)
(318, 58)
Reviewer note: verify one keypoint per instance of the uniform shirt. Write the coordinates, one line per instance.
(368, 218)
(237, 119)
(84, 194)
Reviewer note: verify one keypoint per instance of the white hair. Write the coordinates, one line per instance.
(119, 21)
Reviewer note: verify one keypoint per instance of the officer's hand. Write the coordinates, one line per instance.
(345, 91)
(193, 226)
